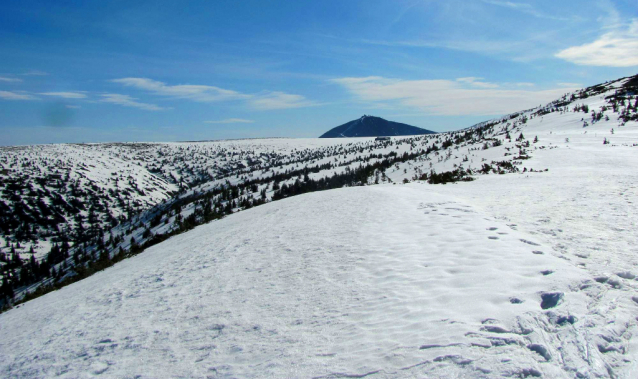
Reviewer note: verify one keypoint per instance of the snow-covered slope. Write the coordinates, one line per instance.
(389, 280)
(75, 192)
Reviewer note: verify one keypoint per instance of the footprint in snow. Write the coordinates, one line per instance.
(626, 275)
(551, 299)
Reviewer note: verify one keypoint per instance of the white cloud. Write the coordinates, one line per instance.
(73, 106)
(128, 101)
(230, 121)
(617, 48)
(7, 95)
(446, 97)
(476, 82)
(66, 95)
(280, 100)
(201, 93)
(9, 80)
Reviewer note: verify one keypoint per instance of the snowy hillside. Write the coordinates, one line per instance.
(76, 192)
(384, 280)
(391, 280)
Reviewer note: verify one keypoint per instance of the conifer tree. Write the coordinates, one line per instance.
(6, 290)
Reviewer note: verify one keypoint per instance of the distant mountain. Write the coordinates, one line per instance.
(370, 126)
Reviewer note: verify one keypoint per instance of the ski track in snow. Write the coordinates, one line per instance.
(386, 280)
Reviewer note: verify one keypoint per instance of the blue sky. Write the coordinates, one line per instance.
(93, 71)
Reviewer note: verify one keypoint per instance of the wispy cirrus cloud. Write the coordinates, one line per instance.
(35, 73)
(526, 8)
(516, 49)
(268, 100)
(230, 121)
(201, 93)
(128, 101)
(616, 48)
(8, 95)
(477, 82)
(508, 4)
(445, 97)
(9, 80)
(65, 95)
(519, 45)
(280, 100)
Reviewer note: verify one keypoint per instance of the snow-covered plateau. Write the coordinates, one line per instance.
(530, 273)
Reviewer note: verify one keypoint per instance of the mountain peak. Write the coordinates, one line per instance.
(372, 126)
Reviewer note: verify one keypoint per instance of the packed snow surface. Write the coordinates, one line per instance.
(392, 280)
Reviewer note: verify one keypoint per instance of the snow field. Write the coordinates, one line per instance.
(343, 282)
(585, 207)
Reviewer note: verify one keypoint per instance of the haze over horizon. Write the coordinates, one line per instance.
(115, 71)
